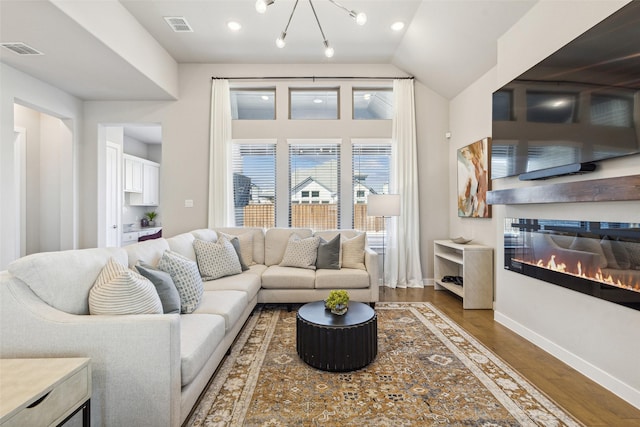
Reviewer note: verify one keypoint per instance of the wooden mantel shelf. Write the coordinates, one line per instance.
(595, 190)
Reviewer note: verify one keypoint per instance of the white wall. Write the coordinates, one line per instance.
(17, 87)
(596, 337)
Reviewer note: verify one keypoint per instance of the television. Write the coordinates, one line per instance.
(578, 106)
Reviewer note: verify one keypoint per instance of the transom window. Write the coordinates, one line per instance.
(314, 104)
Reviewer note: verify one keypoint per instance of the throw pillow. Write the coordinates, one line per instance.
(216, 259)
(236, 245)
(165, 287)
(301, 253)
(118, 290)
(353, 252)
(186, 276)
(329, 254)
(246, 245)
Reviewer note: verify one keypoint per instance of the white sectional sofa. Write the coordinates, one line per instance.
(150, 369)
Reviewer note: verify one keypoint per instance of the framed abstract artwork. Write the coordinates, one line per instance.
(473, 179)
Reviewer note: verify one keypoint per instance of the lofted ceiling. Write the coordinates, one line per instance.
(446, 44)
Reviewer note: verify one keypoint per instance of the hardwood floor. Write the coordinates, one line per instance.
(584, 399)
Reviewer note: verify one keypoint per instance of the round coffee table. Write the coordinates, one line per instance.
(337, 343)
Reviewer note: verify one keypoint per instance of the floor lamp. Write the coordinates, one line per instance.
(384, 205)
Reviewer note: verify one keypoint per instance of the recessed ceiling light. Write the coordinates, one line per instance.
(265, 98)
(234, 26)
(317, 101)
(367, 96)
(397, 26)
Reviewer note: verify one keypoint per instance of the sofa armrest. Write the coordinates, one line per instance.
(135, 359)
(372, 266)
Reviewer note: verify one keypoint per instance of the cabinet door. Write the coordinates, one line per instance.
(150, 187)
(132, 175)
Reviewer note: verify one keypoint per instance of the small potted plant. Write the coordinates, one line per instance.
(337, 301)
(151, 216)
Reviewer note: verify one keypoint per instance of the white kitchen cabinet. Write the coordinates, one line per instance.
(132, 173)
(150, 194)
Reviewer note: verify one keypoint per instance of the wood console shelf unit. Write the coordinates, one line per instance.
(474, 263)
(595, 190)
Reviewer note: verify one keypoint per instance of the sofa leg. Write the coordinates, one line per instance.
(228, 352)
(288, 308)
(372, 305)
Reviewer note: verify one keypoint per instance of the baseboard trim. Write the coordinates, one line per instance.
(614, 385)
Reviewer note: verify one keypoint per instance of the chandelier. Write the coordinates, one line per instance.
(360, 18)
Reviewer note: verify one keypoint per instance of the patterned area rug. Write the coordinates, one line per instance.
(428, 372)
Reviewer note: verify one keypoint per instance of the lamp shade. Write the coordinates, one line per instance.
(383, 205)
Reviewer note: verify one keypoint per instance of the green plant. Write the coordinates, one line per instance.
(151, 215)
(337, 297)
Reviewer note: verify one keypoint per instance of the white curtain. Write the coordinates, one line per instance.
(220, 178)
(403, 261)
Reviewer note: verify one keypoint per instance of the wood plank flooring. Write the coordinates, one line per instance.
(584, 399)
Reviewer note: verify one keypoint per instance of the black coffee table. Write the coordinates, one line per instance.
(337, 343)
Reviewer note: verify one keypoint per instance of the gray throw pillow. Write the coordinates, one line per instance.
(236, 245)
(167, 291)
(329, 254)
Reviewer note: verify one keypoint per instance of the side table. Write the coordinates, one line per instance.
(337, 343)
(44, 392)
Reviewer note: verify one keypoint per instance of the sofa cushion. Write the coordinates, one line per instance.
(276, 241)
(200, 334)
(277, 277)
(186, 276)
(329, 254)
(166, 289)
(345, 278)
(63, 279)
(216, 259)
(149, 252)
(301, 253)
(228, 304)
(119, 290)
(205, 234)
(353, 252)
(247, 282)
(248, 235)
(183, 244)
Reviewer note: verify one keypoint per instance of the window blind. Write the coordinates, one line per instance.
(254, 184)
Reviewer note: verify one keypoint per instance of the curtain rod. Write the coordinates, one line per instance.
(314, 78)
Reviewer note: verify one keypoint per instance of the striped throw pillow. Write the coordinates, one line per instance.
(119, 290)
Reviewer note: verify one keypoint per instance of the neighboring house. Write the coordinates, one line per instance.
(310, 190)
(361, 191)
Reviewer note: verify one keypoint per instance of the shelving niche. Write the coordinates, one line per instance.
(474, 263)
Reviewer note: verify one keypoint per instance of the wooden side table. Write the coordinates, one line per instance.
(44, 392)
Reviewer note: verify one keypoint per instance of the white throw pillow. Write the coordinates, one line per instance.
(119, 290)
(216, 259)
(301, 253)
(186, 277)
(246, 245)
(353, 252)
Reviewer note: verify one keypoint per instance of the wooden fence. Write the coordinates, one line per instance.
(314, 216)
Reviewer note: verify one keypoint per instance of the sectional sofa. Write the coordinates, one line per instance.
(150, 369)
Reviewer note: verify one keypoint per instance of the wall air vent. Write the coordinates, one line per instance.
(21, 48)
(178, 24)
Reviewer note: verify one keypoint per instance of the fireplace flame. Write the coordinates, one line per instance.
(622, 280)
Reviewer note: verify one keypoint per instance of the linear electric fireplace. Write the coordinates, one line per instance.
(601, 259)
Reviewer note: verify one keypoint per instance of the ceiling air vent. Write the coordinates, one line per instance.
(178, 24)
(21, 48)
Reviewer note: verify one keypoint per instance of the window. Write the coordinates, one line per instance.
(254, 179)
(313, 104)
(373, 104)
(610, 110)
(503, 105)
(253, 104)
(314, 169)
(551, 107)
(371, 175)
